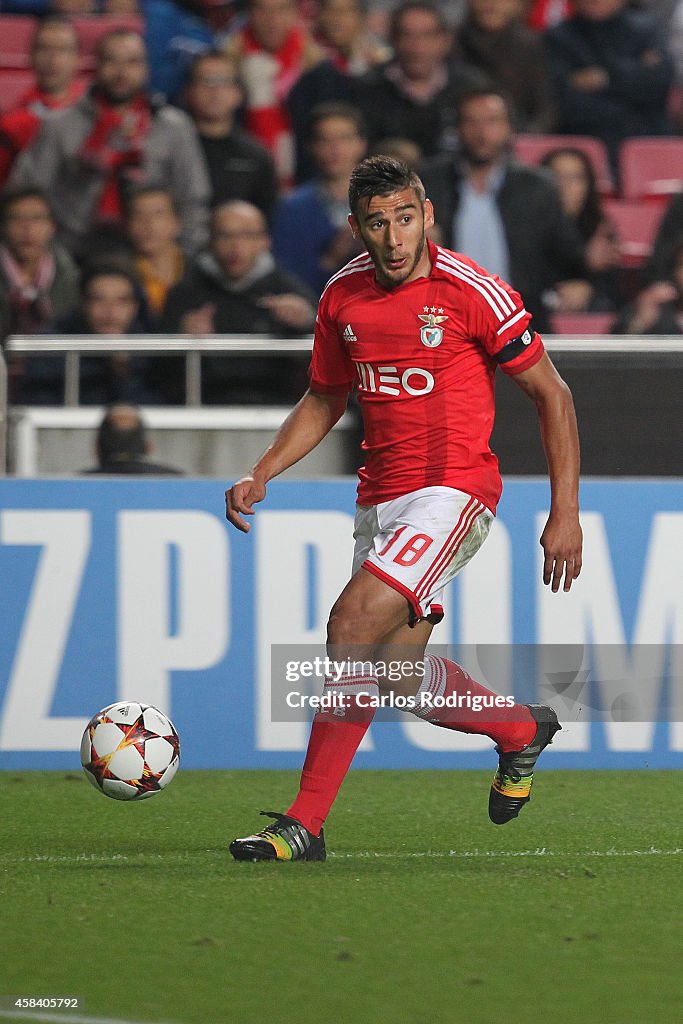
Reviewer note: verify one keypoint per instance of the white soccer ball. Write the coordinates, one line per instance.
(130, 751)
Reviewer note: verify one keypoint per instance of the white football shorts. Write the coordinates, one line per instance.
(419, 542)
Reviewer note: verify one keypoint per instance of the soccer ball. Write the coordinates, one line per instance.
(130, 751)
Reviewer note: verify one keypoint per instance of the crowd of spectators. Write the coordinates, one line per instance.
(192, 178)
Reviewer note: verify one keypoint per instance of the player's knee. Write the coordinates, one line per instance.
(349, 626)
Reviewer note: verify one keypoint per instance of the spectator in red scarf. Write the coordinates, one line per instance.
(115, 137)
(38, 279)
(272, 51)
(54, 60)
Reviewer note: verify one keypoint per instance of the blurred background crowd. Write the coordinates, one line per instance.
(181, 167)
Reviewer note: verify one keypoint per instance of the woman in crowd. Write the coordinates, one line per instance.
(581, 200)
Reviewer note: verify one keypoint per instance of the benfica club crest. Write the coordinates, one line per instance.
(431, 334)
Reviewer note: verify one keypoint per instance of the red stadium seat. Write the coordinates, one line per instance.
(14, 83)
(651, 168)
(581, 323)
(531, 149)
(15, 41)
(636, 224)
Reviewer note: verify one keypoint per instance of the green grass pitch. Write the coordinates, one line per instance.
(424, 913)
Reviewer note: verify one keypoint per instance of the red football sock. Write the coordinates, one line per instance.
(446, 698)
(332, 745)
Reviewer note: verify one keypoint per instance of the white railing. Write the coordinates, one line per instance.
(72, 347)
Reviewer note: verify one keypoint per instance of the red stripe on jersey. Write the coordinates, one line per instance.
(487, 280)
(508, 323)
(362, 262)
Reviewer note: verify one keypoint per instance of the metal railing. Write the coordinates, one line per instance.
(72, 347)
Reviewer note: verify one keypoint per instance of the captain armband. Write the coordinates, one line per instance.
(516, 346)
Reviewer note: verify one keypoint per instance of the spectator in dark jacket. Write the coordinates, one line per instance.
(505, 215)
(611, 72)
(494, 39)
(123, 445)
(236, 287)
(658, 308)
(239, 166)
(669, 233)
(311, 234)
(581, 201)
(109, 306)
(415, 93)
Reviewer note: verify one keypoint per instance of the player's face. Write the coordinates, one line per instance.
(393, 229)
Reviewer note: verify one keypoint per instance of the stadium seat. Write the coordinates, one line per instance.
(651, 168)
(581, 323)
(636, 224)
(531, 149)
(15, 41)
(14, 83)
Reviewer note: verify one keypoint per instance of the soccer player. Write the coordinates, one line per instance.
(421, 331)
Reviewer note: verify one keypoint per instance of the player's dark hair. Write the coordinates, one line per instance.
(381, 176)
(119, 444)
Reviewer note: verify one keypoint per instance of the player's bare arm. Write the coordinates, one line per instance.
(561, 539)
(307, 424)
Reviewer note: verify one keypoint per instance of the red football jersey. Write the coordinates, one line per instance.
(423, 357)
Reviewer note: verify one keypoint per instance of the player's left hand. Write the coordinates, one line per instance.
(562, 543)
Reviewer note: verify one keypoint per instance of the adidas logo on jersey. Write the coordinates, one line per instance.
(349, 336)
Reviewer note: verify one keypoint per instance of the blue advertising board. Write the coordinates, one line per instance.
(119, 589)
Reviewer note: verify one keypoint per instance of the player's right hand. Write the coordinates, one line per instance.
(240, 498)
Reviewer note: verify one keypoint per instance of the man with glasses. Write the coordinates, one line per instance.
(236, 287)
(239, 166)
